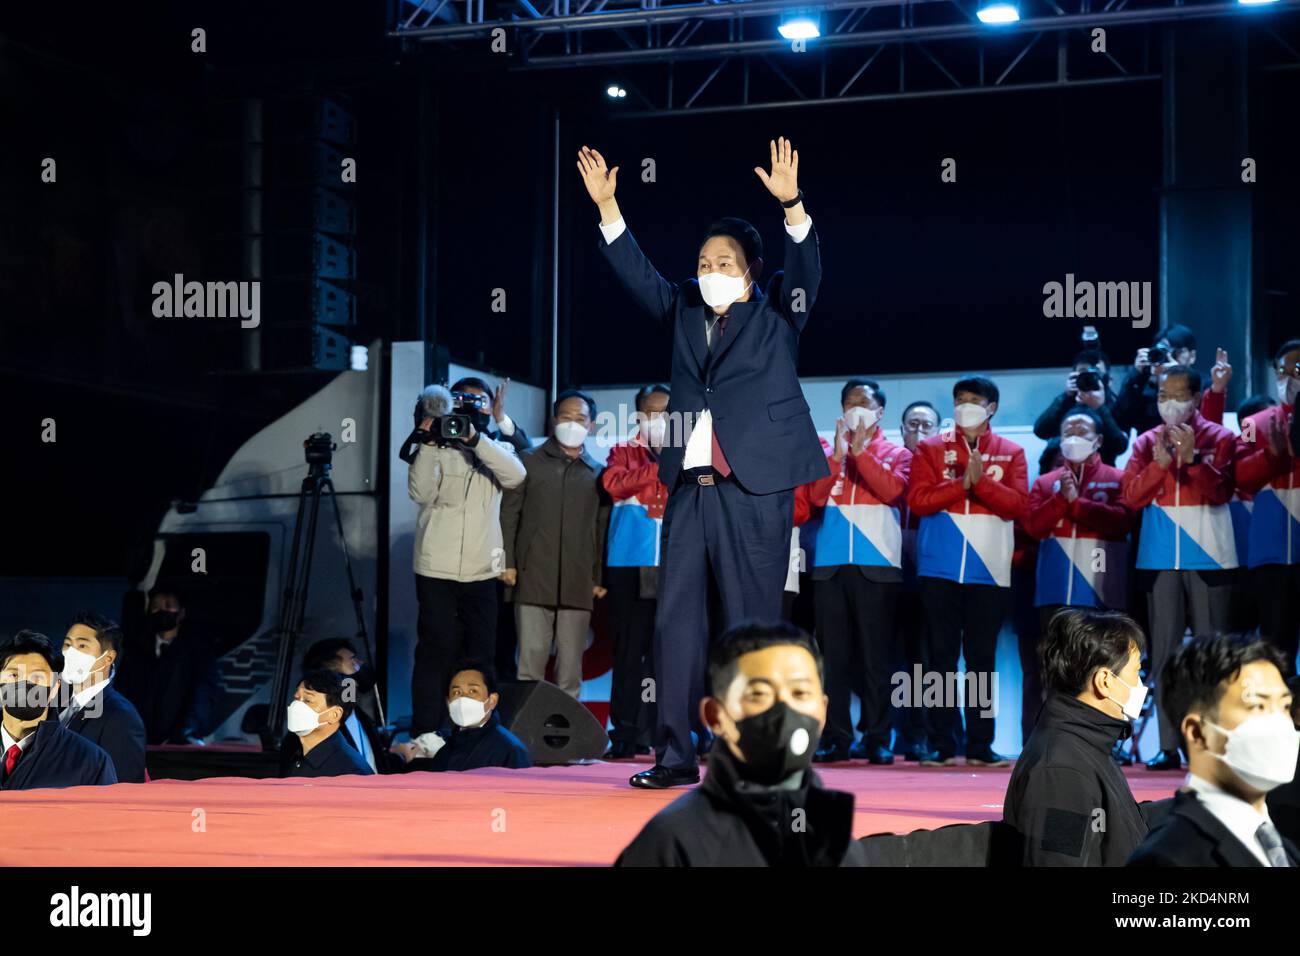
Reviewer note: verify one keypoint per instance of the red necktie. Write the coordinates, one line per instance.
(719, 459)
(11, 759)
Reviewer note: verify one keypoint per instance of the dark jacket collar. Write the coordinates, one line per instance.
(324, 750)
(1226, 846)
(468, 736)
(1070, 715)
(553, 449)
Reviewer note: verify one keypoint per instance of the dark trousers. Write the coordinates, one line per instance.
(633, 622)
(1277, 590)
(739, 541)
(909, 722)
(961, 619)
(855, 614)
(507, 649)
(457, 619)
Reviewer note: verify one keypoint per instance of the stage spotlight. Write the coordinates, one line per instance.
(615, 92)
(1255, 3)
(998, 12)
(799, 25)
(360, 357)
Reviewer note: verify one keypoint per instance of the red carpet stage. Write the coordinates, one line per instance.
(576, 815)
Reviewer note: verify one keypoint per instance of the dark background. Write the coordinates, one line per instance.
(919, 275)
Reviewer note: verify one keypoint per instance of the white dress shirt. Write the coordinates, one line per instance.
(699, 447)
(8, 742)
(81, 698)
(1241, 819)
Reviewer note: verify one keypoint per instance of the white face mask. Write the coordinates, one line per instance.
(302, 719)
(970, 415)
(77, 665)
(1136, 696)
(1288, 389)
(1076, 448)
(859, 415)
(1175, 413)
(467, 712)
(653, 430)
(1261, 750)
(721, 290)
(570, 434)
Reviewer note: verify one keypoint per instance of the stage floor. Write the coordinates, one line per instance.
(577, 815)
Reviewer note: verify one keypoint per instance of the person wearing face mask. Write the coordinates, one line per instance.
(1065, 781)
(91, 650)
(1100, 399)
(858, 570)
(1180, 477)
(1268, 469)
(36, 751)
(767, 709)
(478, 739)
(507, 429)
(747, 440)
(969, 486)
(631, 478)
(1232, 707)
(554, 528)
(320, 707)
(169, 673)
(1076, 512)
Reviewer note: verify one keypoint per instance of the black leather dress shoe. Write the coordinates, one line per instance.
(831, 753)
(620, 750)
(1166, 760)
(880, 756)
(919, 753)
(860, 749)
(661, 778)
(986, 758)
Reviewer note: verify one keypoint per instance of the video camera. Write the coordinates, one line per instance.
(449, 414)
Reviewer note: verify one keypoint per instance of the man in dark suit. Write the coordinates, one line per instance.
(739, 438)
(319, 708)
(36, 752)
(99, 713)
(1229, 701)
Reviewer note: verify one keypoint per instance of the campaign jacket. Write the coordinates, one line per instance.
(857, 506)
(631, 477)
(1084, 550)
(967, 536)
(1274, 484)
(1186, 524)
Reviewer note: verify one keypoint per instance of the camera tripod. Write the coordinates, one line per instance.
(317, 486)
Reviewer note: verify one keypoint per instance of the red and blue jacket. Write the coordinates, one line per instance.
(967, 535)
(1083, 558)
(1274, 483)
(631, 477)
(856, 506)
(1186, 523)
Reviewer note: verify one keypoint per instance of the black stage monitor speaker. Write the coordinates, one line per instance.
(552, 725)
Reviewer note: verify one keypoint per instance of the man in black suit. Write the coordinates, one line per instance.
(739, 437)
(319, 708)
(169, 673)
(99, 713)
(36, 752)
(1228, 699)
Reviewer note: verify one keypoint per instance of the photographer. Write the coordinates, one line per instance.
(1136, 405)
(457, 475)
(1087, 386)
(507, 430)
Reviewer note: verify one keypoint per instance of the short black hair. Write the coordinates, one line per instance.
(107, 631)
(319, 655)
(645, 391)
(1193, 377)
(332, 685)
(1085, 412)
(1196, 674)
(474, 664)
(980, 385)
(167, 588)
(872, 384)
(1254, 404)
(750, 636)
(920, 402)
(751, 243)
(1081, 640)
(1178, 336)
(1290, 345)
(574, 393)
(32, 642)
(471, 381)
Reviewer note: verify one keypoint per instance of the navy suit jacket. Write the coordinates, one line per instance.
(1190, 835)
(749, 383)
(59, 758)
(332, 757)
(111, 722)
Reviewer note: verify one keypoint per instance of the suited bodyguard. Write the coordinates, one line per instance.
(91, 649)
(740, 437)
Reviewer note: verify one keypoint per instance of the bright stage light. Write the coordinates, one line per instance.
(1255, 3)
(799, 27)
(997, 13)
(614, 91)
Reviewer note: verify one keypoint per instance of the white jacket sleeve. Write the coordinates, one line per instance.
(502, 461)
(424, 476)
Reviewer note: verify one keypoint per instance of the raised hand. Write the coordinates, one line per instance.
(840, 445)
(783, 181)
(600, 180)
(499, 401)
(859, 440)
(1221, 374)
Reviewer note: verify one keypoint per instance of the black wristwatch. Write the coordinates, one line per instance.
(791, 203)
